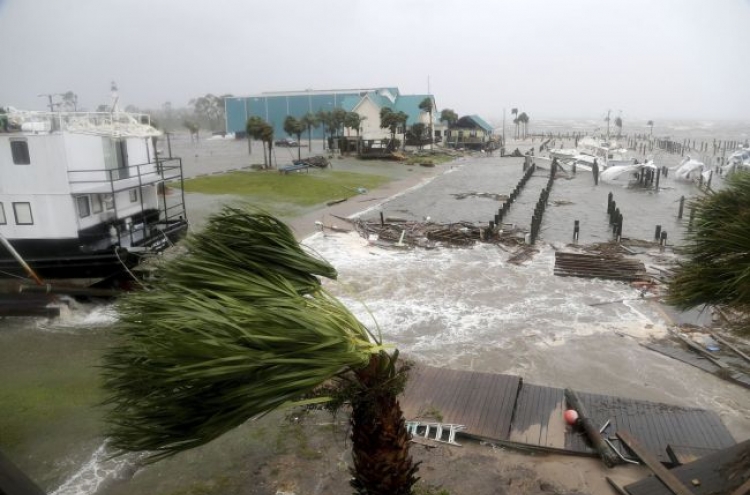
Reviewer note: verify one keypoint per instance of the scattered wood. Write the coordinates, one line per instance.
(666, 477)
(496, 197)
(335, 201)
(731, 347)
(700, 350)
(598, 266)
(609, 457)
(617, 488)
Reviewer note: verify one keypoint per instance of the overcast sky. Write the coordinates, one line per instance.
(649, 59)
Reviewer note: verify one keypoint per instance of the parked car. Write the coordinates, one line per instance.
(289, 142)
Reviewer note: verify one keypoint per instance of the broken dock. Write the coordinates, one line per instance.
(503, 409)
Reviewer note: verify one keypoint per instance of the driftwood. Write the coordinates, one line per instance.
(609, 457)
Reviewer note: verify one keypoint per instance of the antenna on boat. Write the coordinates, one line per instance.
(51, 104)
(115, 97)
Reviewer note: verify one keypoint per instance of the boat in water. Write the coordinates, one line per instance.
(84, 196)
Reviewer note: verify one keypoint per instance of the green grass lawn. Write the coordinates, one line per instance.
(302, 189)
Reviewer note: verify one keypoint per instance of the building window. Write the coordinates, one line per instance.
(96, 203)
(23, 215)
(84, 208)
(133, 195)
(20, 151)
(473, 133)
(109, 201)
(3, 220)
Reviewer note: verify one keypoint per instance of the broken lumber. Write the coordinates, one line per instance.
(665, 476)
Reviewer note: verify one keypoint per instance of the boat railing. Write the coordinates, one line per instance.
(108, 123)
(138, 229)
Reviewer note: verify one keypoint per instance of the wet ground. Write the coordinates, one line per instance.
(459, 308)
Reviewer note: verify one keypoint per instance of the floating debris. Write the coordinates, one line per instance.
(496, 197)
(398, 232)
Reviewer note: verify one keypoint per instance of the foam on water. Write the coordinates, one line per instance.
(454, 301)
(100, 469)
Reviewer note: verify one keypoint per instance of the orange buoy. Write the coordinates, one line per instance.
(571, 416)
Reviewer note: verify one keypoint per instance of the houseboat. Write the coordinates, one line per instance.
(84, 196)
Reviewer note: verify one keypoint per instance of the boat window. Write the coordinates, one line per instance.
(23, 215)
(96, 203)
(19, 148)
(3, 221)
(109, 201)
(84, 208)
(133, 195)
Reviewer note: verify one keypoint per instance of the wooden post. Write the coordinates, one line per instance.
(657, 233)
(609, 457)
(576, 230)
(682, 205)
(382, 220)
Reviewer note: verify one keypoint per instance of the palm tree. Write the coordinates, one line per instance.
(240, 326)
(524, 119)
(326, 120)
(253, 128)
(718, 251)
(448, 116)
(514, 112)
(650, 123)
(618, 124)
(294, 127)
(266, 136)
(309, 121)
(70, 101)
(353, 121)
(427, 106)
(193, 128)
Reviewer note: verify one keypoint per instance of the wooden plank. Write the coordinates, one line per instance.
(669, 479)
(711, 470)
(680, 454)
(617, 488)
(731, 347)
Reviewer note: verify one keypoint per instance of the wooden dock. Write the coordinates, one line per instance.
(504, 409)
(595, 266)
(713, 474)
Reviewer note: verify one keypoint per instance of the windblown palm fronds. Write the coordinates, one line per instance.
(717, 270)
(235, 328)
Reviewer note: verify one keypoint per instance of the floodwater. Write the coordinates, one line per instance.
(460, 308)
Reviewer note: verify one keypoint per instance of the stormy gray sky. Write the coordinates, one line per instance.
(650, 59)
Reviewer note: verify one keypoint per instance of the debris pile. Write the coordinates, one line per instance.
(400, 233)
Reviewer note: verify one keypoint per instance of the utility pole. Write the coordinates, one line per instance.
(503, 127)
(51, 104)
(608, 112)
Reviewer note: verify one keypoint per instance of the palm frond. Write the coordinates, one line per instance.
(717, 270)
(237, 327)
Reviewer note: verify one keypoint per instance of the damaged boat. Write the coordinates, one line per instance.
(84, 196)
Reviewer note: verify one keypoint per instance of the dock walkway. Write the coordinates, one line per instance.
(505, 410)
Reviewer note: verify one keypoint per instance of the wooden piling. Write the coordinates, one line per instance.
(609, 457)
(682, 206)
(657, 233)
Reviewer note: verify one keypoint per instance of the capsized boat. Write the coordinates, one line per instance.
(626, 175)
(84, 196)
(689, 169)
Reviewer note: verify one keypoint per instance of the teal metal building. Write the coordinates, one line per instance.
(273, 107)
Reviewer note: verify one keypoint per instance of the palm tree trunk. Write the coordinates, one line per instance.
(265, 160)
(380, 442)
